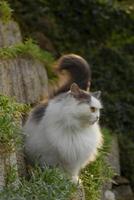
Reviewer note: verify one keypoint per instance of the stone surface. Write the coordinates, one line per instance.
(119, 188)
(8, 160)
(2, 172)
(9, 33)
(23, 78)
(109, 195)
(113, 160)
(123, 192)
(80, 194)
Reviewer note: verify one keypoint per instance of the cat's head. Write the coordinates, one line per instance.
(88, 104)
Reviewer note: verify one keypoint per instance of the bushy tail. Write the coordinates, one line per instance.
(72, 68)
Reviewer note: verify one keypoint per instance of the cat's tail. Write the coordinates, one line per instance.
(72, 68)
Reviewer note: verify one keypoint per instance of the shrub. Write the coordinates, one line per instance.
(5, 11)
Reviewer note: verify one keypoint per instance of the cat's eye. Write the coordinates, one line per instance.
(93, 109)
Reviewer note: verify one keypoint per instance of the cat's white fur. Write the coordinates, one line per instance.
(68, 135)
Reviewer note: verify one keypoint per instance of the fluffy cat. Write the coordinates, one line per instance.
(65, 132)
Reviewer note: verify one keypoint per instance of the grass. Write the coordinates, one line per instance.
(98, 172)
(10, 117)
(29, 48)
(50, 184)
(5, 11)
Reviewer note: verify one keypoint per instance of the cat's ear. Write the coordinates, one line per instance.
(96, 94)
(75, 89)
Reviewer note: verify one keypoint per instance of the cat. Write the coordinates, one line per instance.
(64, 132)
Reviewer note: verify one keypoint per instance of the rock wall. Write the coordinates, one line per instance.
(119, 187)
(23, 78)
(9, 33)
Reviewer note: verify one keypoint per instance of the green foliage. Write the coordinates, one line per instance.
(115, 79)
(98, 172)
(49, 184)
(29, 48)
(10, 117)
(5, 11)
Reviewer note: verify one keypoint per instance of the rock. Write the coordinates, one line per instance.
(8, 161)
(9, 33)
(80, 194)
(2, 173)
(23, 78)
(113, 158)
(120, 180)
(123, 192)
(109, 195)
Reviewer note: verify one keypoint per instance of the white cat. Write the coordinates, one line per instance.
(65, 132)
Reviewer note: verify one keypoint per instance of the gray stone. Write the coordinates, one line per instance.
(113, 160)
(123, 192)
(80, 193)
(9, 34)
(113, 157)
(8, 161)
(23, 78)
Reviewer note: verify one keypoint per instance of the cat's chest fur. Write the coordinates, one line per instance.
(74, 145)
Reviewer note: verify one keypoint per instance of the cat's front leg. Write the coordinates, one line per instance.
(75, 179)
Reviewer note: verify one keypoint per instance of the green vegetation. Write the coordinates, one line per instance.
(98, 172)
(29, 48)
(5, 11)
(49, 184)
(10, 119)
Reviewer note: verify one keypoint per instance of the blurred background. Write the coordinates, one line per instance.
(102, 31)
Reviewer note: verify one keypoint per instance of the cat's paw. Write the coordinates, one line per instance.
(75, 179)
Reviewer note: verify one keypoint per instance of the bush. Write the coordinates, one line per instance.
(5, 11)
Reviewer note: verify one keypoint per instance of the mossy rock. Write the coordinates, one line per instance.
(9, 33)
(24, 78)
(8, 160)
(80, 193)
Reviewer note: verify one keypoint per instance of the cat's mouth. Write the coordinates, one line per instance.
(93, 122)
